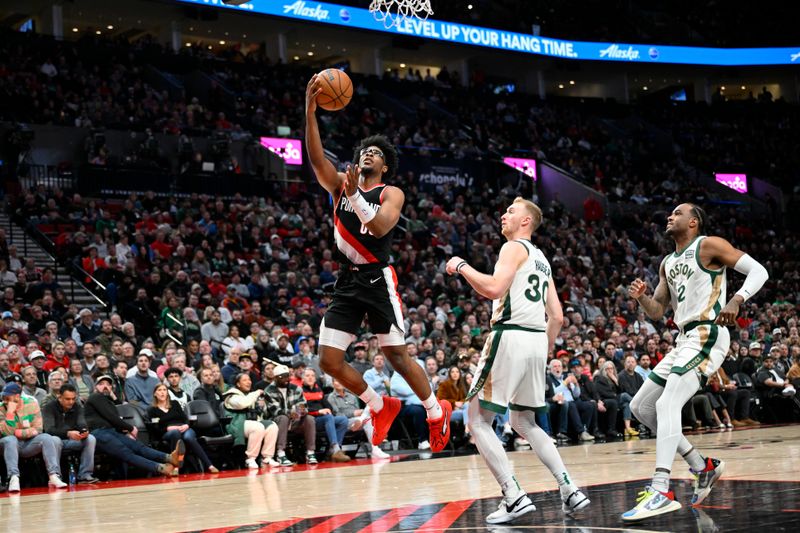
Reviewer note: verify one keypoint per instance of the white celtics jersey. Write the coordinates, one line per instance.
(523, 302)
(697, 293)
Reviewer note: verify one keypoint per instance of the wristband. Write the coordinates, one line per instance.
(363, 210)
(460, 266)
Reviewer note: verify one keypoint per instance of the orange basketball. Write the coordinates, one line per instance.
(337, 89)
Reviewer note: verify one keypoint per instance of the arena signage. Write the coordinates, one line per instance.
(358, 18)
(291, 150)
(737, 182)
(526, 166)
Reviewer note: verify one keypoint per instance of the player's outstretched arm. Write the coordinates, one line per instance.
(717, 251)
(379, 222)
(555, 315)
(656, 306)
(492, 286)
(326, 173)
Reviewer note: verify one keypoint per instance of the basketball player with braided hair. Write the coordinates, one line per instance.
(693, 282)
(366, 211)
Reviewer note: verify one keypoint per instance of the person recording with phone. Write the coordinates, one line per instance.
(64, 419)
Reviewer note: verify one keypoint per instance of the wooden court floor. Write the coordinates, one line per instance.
(760, 488)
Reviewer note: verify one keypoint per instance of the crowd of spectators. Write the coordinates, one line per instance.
(221, 299)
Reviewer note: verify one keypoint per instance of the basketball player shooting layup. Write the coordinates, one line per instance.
(692, 281)
(512, 367)
(365, 213)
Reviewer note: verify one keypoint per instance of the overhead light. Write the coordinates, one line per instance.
(209, 47)
(98, 32)
(722, 88)
(402, 65)
(344, 49)
(572, 82)
(313, 45)
(560, 85)
(110, 26)
(744, 87)
(311, 54)
(222, 42)
(191, 28)
(244, 36)
(469, 6)
(296, 58)
(644, 88)
(188, 44)
(74, 30)
(226, 34)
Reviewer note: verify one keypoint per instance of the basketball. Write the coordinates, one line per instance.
(337, 89)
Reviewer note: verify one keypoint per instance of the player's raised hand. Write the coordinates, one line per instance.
(351, 181)
(637, 289)
(313, 89)
(452, 264)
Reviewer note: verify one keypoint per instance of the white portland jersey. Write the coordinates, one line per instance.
(523, 302)
(697, 293)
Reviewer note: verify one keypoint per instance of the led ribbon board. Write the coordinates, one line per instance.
(526, 166)
(290, 150)
(357, 18)
(737, 182)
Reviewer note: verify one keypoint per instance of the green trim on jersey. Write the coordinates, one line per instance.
(678, 254)
(658, 380)
(527, 250)
(515, 327)
(494, 407)
(487, 367)
(537, 410)
(713, 273)
(702, 355)
(506, 316)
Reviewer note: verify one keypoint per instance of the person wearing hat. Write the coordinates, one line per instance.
(360, 361)
(282, 354)
(64, 419)
(22, 436)
(755, 350)
(38, 360)
(776, 391)
(233, 301)
(117, 438)
(86, 330)
(298, 369)
(287, 406)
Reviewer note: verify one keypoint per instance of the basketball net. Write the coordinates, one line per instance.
(393, 12)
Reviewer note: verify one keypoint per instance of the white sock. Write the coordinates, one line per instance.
(281, 453)
(431, 405)
(310, 452)
(696, 461)
(335, 448)
(676, 393)
(511, 489)
(372, 399)
(490, 448)
(661, 480)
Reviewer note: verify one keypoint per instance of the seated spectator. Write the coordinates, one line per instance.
(282, 354)
(37, 360)
(335, 426)
(85, 330)
(140, 386)
(215, 330)
(697, 413)
(246, 366)
(176, 394)
(643, 366)
(119, 378)
(454, 390)
(378, 377)
(102, 366)
(188, 381)
(412, 405)
(29, 388)
(345, 403)
(80, 379)
(231, 368)
(234, 340)
(54, 383)
(117, 438)
(209, 391)
(432, 373)
(5, 368)
(298, 373)
(21, 430)
(287, 407)
(607, 393)
(64, 419)
(267, 373)
(585, 401)
(776, 391)
(171, 420)
(719, 408)
(630, 381)
(360, 361)
(737, 401)
(248, 423)
(564, 411)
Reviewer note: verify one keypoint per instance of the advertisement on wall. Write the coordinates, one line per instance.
(358, 18)
(737, 182)
(291, 150)
(526, 166)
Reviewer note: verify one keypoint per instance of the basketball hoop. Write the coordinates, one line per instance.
(393, 12)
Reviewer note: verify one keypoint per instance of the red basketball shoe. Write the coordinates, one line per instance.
(382, 420)
(439, 428)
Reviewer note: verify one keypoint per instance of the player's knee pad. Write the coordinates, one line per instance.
(335, 338)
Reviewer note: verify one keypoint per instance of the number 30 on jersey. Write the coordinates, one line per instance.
(537, 290)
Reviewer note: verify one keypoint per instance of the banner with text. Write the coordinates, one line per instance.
(327, 13)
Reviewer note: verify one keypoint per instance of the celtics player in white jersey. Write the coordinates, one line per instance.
(692, 282)
(512, 368)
